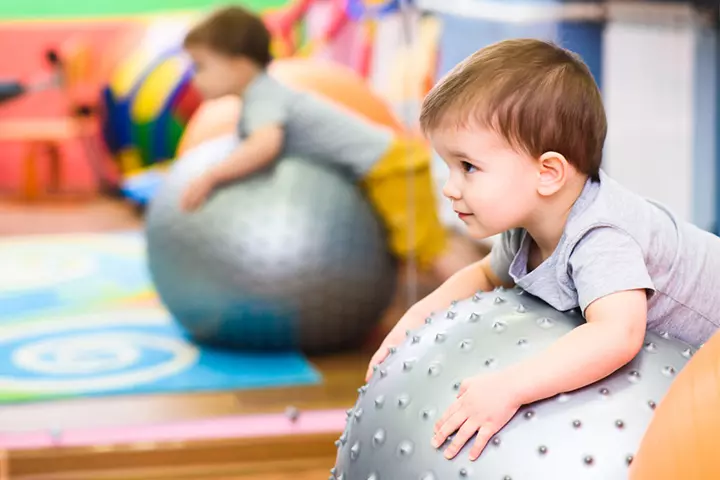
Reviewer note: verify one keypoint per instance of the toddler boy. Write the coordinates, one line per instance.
(521, 125)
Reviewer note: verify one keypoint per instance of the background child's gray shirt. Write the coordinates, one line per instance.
(315, 128)
(615, 240)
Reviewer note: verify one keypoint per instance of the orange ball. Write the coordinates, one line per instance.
(214, 118)
(682, 442)
(333, 81)
(338, 83)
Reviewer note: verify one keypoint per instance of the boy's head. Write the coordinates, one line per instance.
(516, 122)
(227, 48)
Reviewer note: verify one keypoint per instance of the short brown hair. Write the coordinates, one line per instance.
(233, 31)
(538, 96)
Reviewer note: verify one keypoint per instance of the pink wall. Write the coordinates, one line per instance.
(22, 47)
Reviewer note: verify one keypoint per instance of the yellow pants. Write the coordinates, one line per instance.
(401, 189)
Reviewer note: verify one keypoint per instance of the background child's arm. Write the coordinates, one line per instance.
(612, 336)
(255, 153)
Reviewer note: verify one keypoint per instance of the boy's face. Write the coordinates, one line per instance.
(492, 187)
(216, 75)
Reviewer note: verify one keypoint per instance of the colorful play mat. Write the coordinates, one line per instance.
(78, 318)
(47, 273)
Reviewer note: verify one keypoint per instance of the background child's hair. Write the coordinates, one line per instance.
(233, 31)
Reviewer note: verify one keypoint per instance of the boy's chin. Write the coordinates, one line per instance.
(213, 94)
(479, 233)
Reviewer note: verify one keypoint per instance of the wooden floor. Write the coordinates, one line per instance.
(343, 374)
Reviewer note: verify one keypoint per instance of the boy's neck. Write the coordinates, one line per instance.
(548, 224)
(253, 72)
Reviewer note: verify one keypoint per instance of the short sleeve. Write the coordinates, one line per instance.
(503, 253)
(264, 107)
(606, 261)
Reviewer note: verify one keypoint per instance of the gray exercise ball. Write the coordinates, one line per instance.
(591, 433)
(291, 257)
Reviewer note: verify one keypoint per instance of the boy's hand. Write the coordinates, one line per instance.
(393, 339)
(410, 321)
(485, 403)
(196, 193)
(463, 284)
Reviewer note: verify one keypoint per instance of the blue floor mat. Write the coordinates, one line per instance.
(71, 326)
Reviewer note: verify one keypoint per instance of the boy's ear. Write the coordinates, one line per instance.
(553, 171)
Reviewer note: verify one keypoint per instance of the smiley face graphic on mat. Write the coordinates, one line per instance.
(81, 354)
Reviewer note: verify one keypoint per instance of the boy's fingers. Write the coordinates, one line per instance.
(466, 431)
(374, 361)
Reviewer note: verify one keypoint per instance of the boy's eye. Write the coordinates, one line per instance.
(468, 167)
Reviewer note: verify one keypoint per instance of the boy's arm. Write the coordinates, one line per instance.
(463, 284)
(485, 275)
(612, 336)
(612, 281)
(255, 153)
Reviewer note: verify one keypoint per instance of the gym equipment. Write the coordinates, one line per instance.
(592, 432)
(292, 257)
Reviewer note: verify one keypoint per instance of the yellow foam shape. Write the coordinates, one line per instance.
(161, 35)
(129, 159)
(157, 88)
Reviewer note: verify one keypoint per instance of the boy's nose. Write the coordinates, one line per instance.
(451, 191)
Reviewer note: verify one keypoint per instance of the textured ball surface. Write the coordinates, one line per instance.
(290, 257)
(591, 433)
